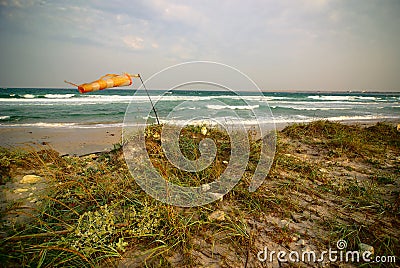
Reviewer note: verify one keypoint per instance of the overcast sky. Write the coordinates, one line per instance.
(281, 45)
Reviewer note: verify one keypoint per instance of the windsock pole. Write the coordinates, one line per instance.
(152, 105)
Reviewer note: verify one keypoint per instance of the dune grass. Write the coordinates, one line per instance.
(325, 178)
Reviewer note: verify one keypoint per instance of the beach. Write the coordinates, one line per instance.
(329, 184)
(66, 141)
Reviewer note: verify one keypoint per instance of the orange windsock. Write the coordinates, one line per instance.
(106, 81)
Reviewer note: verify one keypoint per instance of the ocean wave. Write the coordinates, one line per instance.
(63, 125)
(28, 96)
(139, 98)
(362, 117)
(221, 107)
(229, 121)
(312, 108)
(69, 99)
(187, 108)
(4, 117)
(59, 96)
(342, 98)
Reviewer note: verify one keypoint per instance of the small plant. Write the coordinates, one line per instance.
(96, 230)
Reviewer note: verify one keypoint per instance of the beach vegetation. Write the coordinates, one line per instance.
(328, 181)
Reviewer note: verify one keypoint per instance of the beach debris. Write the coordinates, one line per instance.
(398, 127)
(30, 179)
(204, 130)
(217, 215)
(365, 247)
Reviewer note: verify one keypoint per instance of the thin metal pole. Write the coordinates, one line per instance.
(152, 105)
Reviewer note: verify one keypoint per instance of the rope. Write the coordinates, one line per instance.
(152, 105)
(72, 84)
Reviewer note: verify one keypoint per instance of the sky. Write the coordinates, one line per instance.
(330, 45)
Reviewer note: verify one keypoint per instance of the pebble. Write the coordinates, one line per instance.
(301, 242)
(217, 215)
(205, 187)
(30, 179)
(20, 190)
(204, 130)
(365, 247)
(323, 170)
(295, 237)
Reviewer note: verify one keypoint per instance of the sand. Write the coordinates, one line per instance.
(64, 140)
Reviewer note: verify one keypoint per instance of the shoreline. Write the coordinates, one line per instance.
(83, 141)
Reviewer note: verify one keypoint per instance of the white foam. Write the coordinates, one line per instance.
(28, 96)
(59, 96)
(70, 100)
(4, 117)
(221, 107)
(341, 98)
(314, 108)
(361, 117)
(63, 125)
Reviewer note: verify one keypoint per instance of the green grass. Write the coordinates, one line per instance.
(93, 212)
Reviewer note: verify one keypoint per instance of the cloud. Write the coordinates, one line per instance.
(17, 3)
(261, 33)
(179, 12)
(134, 42)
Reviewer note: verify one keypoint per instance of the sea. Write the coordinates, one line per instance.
(67, 108)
